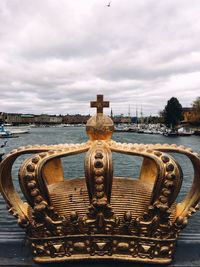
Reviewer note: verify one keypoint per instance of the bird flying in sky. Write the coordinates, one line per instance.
(108, 5)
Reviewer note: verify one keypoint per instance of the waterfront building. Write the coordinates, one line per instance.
(190, 115)
(75, 119)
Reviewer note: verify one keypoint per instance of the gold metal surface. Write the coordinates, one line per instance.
(100, 216)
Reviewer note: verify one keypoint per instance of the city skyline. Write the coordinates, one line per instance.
(55, 57)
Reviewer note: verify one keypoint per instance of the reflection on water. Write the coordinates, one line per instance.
(74, 166)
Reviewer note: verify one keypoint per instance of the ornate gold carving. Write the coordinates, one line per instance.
(106, 247)
(99, 176)
(101, 216)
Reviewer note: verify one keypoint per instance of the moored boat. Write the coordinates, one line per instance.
(6, 134)
(18, 130)
(176, 133)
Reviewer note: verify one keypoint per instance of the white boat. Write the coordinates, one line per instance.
(179, 132)
(18, 129)
(5, 133)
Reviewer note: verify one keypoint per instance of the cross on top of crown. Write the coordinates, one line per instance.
(99, 104)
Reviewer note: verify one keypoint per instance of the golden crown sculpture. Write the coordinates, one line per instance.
(100, 216)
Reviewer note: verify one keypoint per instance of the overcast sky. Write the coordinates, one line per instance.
(56, 55)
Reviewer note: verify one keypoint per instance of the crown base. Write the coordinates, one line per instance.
(103, 247)
(117, 258)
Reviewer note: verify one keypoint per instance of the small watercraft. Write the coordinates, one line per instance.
(5, 133)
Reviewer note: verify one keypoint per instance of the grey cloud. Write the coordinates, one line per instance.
(57, 55)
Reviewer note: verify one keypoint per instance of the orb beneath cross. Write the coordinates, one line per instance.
(100, 126)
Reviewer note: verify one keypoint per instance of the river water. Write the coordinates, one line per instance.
(124, 165)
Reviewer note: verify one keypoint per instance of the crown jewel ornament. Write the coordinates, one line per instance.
(99, 216)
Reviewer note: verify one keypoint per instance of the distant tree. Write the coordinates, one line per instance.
(172, 113)
(161, 116)
(196, 106)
